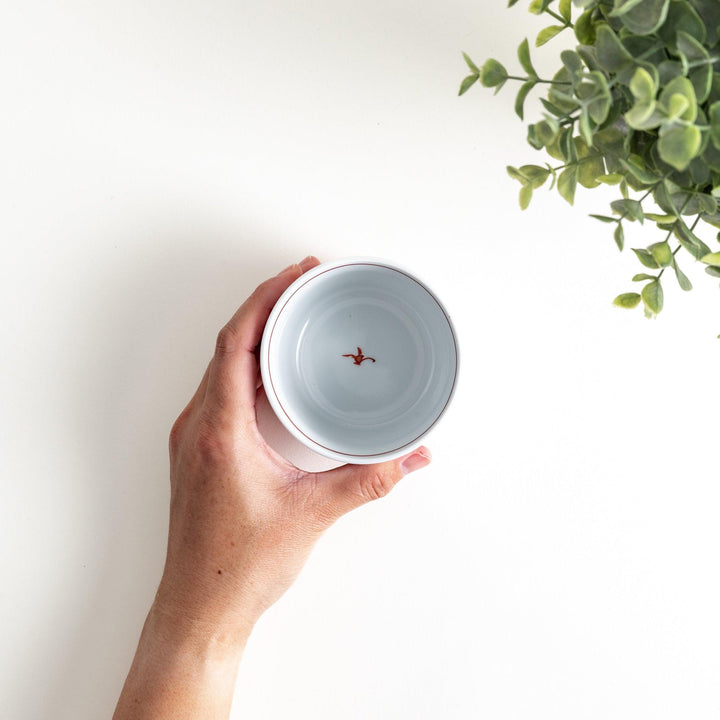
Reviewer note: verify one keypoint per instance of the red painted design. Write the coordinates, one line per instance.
(359, 358)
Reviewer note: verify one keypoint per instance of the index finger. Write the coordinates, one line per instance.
(233, 369)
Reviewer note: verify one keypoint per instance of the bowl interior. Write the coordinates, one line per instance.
(362, 359)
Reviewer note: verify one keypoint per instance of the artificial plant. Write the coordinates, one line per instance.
(636, 105)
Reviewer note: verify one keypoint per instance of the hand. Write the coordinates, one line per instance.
(243, 520)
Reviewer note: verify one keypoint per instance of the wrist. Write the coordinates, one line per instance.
(197, 627)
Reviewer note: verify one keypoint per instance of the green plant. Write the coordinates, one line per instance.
(637, 105)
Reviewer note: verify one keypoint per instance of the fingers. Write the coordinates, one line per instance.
(232, 379)
(341, 490)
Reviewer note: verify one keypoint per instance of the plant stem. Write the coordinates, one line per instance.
(537, 80)
(578, 161)
(624, 215)
(670, 232)
(558, 17)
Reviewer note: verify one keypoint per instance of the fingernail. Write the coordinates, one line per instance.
(288, 269)
(417, 460)
(307, 261)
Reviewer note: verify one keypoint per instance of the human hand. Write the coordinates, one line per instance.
(243, 520)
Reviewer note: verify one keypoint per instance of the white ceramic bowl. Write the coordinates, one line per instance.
(359, 360)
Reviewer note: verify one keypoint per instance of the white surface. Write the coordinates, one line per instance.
(557, 560)
(329, 399)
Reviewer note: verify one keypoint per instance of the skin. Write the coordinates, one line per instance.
(243, 521)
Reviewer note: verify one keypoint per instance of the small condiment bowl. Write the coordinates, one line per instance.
(359, 360)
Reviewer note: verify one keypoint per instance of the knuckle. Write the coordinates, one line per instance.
(226, 341)
(262, 286)
(178, 430)
(376, 485)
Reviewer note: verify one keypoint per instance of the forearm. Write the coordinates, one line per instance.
(181, 670)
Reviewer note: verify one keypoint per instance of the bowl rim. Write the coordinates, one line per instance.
(266, 374)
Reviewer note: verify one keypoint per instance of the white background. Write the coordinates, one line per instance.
(159, 159)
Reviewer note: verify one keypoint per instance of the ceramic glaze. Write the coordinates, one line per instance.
(359, 360)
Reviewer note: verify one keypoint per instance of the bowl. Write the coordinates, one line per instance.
(359, 360)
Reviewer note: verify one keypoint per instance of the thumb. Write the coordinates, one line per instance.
(345, 488)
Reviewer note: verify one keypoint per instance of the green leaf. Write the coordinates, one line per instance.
(714, 271)
(624, 6)
(627, 300)
(565, 10)
(681, 86)
(533, 139)
(652, 296)
(590, 164)
(677, 105)
(552, 109)
(630, 209)
(585, 128)
(611, 53)
(642, 85)
(585, 28)
(661, 219)
(538, 6)
(619, 236)
(633, 166)
(547, 130)
(641, 17)
(691, 48)
(679, 145)
(708, 204)
(471, 64)
(558, 98)
(682, 278)
(525, 196)
(525, 88)
(711, 259)
(567, 183)
(493, 73)
(604, 218)
(574, 64)
(643, 116)
(610, 178)
(682, 17)
(701, 176)
(663, 199)
(467, 83)
(715, 124)
(554, 150)
(568, 146)
(643, 276)
(515, 174)
(691, 242)
(523, 53)
(601, 101)
(709, 12)
(535, 174)
(667, 70)
(662, 253)
(646, 258)
(547, 34)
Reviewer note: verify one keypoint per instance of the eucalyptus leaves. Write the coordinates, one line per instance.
(637, 105)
